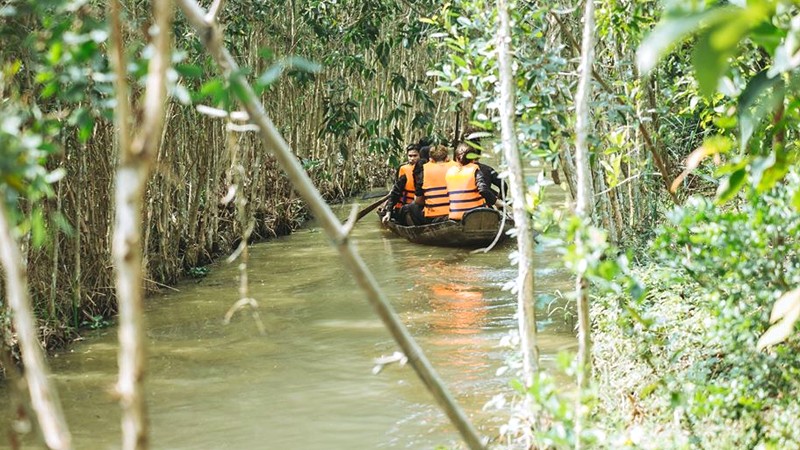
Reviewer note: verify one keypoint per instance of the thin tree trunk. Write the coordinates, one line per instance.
(136, 160)
(525, 304)
(76, 294)
(44, 398)
(583, 206)
(568, 168)
(19, 408)
(648, 142)
(271, 138)
(51, 307)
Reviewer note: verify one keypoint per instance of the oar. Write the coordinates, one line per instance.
(372, 206)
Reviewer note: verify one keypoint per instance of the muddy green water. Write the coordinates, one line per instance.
(307, 384)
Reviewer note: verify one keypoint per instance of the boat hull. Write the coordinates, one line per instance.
(478, 228)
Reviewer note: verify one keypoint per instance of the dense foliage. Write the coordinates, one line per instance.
(352, 73)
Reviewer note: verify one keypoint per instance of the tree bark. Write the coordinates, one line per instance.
(44, 398)
(526, 312)
(583, 206)
(271, 138)
(136, 160)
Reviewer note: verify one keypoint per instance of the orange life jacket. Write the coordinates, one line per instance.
(408, 190)
(463, 190)
(435, 187)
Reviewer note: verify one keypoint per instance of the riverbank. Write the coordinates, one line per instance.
(672, 372)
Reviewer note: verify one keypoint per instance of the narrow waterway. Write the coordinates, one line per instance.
(308, 383)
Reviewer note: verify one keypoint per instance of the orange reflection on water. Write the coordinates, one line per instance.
(457, 308)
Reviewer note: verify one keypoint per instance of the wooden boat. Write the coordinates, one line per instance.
(478, 228)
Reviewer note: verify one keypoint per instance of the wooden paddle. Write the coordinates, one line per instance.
(371, 207)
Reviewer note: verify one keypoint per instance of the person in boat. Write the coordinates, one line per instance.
(466, 186)
(431, 203)
(473, 139)
(403, 190)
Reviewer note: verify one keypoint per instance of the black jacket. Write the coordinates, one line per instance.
(492, 177)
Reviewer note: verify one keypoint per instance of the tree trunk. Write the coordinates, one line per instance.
(525, 303)
(44, 398)
(583, 206)
(136, 160)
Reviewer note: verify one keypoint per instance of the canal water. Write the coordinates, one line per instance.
(308, 383)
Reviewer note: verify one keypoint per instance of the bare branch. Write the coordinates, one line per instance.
(213, 11)
(351, 221)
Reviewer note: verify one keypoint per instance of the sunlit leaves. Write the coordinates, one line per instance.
(667, 35)
(731, 185)
(722, 51)
(720, 31)
(712, 146)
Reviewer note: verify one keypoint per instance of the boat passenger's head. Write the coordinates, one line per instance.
(412, 151)
(439, 153)
(465, 154)
(424, 154)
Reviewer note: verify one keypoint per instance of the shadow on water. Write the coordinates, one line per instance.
(308, 384)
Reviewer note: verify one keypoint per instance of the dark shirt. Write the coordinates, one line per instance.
(484, 188)
(419, 174)
(397, 191)
(492, 177)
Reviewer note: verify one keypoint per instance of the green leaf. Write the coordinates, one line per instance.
(731, 185)
(189, 70)
(670, 32)
(517, 385)
(752, 94)
(266, 53)
(458, 60)
(709, 63)
(38, 229)
(215, 89)
(647, 390)
(767, 175)
(240, 90)
(45, 76)
(382, 51)
(767, 35)
(54, 54)
(720, 41)
(85, 128)
(796, 200)
(270, 75)
(300, 63)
